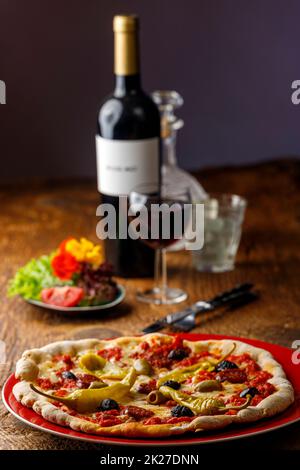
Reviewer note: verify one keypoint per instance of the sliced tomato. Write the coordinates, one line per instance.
(64, 296)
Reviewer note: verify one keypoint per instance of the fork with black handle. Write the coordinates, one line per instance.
(200, 306)
(232, 302)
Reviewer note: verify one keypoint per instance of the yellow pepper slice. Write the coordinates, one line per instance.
(181, 374)
(96, 365)
(200, 405)
(92, 363)
(88, 400)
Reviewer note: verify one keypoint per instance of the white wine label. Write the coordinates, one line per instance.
(124, 164)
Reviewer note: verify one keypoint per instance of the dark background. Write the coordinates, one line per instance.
(233, 61)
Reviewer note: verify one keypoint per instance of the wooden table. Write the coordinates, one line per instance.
(35, 217)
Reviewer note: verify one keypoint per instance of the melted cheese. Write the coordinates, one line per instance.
(115, 371)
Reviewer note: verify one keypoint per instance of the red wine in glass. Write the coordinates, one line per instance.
(160, 219)
(162, 229)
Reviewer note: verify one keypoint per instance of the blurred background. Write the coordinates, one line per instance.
(233, 61)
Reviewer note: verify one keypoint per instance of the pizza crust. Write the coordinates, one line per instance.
(48, 411)
(27, 370)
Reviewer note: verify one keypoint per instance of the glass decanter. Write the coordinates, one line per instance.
(167, 101)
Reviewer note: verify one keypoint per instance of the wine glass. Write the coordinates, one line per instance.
(158, 218)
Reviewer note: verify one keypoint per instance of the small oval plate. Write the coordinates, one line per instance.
(89, 308)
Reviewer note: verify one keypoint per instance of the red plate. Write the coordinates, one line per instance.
(291, 415)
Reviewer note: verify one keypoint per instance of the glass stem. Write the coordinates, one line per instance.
(161, 271)
(169, 150)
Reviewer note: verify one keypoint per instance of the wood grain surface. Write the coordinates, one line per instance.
(35, 217)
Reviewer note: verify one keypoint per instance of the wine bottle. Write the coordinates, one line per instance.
(127, 145)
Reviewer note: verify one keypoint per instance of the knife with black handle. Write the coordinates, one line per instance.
(200, 306)
(189, 323)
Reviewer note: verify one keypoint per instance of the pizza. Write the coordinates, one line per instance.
(151, 386)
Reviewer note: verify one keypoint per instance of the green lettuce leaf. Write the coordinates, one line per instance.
(33, 277)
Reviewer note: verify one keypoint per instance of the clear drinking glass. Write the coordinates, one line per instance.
(162, 228)
(223, 218)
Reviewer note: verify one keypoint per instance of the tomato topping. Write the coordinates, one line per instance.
(66, 358)
(153, 420)
(157, 354)
(171, 403)
(86, 377)
(189, 361)
(189, 380)
(256, 400)
(109, 421)
(234, 376)
(86, 418)
(107, 414)
(144, 345)
(108, 418)
(266, 389)
(61, 393)
(231, 412)
(65, 296)
(236, 400)
(45, 384)
(111, 353)
(84, 380)
(147, 387)
(67, 383)
(252, 368)
(240, 358)
(204, 375)
(260, 378)
(112, 412)
(137, 412)
(247, 363)
(180, 419)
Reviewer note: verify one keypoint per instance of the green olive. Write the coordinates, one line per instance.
(208, 386)
(142, 367)
(91, 362)
(156, 397)
(97, 384)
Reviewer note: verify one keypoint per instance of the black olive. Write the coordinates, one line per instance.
(223, 365)
(179, 410)
(172, 384)
(177, 354)
(108, 404)
(68, 375)
(252, 391)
